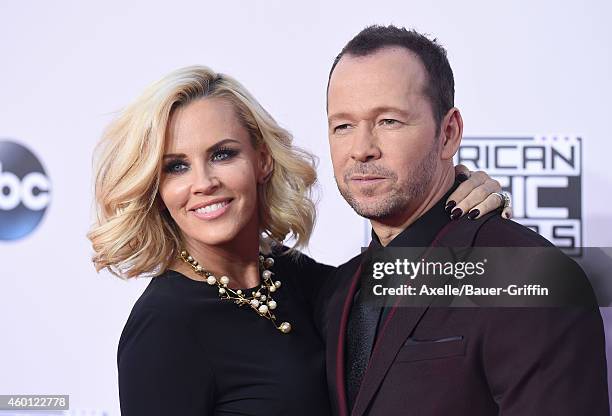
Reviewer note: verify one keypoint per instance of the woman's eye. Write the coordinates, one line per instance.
(223, 154)
(176, 167)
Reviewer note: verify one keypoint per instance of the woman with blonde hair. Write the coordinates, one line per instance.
(198, 186)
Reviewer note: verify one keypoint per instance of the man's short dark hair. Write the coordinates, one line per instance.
(440, 87)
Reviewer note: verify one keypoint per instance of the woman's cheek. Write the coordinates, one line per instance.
(174, 193)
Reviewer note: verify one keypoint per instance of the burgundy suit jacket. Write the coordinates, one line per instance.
(470, 361)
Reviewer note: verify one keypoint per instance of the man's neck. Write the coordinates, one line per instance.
(388, 228)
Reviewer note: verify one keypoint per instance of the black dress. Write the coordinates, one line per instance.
(184, 351)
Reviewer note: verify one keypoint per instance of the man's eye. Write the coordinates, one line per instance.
(176, 167)
(389, 122)
(341, 127)
(223, 154)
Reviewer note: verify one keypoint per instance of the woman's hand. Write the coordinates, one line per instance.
(476, 195)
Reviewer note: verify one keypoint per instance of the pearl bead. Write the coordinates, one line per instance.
(263, 304)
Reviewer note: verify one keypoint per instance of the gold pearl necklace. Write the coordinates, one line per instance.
(260, 300)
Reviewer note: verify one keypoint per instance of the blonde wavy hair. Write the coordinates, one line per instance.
(132, 236)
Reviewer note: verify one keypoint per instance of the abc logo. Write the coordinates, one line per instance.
(24, 191)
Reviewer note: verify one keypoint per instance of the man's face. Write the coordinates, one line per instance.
(382, 132)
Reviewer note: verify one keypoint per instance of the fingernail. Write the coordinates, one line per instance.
(457, 212)
(473, 214)
(449, 206)
(462, 177)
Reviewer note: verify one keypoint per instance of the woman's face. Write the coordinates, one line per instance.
(210, 174)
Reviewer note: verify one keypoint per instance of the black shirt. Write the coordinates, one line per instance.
(365, 320)
(422, 232)
(184, 351)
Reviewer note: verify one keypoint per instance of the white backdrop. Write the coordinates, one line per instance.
(522, 68)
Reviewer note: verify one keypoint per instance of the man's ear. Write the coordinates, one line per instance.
(266, 164)
(451, 133)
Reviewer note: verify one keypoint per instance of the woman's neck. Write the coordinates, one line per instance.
(238, 262)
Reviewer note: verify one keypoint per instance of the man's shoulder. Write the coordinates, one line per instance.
(527, 258)
(344, 272)
(495, 231)
(351, 265)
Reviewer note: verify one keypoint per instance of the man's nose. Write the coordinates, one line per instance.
(364, 145)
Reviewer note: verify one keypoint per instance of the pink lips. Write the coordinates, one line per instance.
(213, 214)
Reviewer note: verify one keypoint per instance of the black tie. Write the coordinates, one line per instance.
(360, 334)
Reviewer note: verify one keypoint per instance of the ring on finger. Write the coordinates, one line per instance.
(504, 198)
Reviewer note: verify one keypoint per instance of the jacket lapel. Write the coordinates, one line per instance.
(339, 309)
(400, 323)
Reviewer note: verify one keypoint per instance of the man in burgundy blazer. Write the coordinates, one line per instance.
(393, 130)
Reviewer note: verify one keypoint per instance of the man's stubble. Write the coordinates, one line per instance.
(402, 193)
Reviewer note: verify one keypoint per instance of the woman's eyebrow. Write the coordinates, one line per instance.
(220, 143)
(212, 148)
